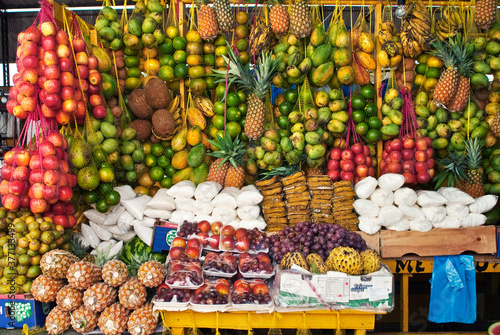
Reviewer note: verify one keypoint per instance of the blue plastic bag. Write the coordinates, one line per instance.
(453, 290)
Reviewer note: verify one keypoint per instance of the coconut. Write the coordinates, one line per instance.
(142, 128)
(138, 103)
(157, 93)
(163, 123)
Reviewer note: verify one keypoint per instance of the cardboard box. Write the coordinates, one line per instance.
(163, 234)
(20, 309)
(300, 288)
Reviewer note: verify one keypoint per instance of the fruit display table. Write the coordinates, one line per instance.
(406, 267)
(358, 321)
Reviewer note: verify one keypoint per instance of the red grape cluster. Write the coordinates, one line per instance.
(308, 237)
(167, 294)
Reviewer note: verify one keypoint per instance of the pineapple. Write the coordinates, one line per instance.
(83, 320)
(464, 58)
(142, 321)
(69, 298)
(132, 294)
(473, 183)
(58, 321)
(44, 288)
(230, 152)
(300, 19)
(278, 17)
(99, 296)
(55, 263)
(152, 274)
(225, 16)
(345, 259)
(113, 320)
(207, 22)
(254, 84)
(486, 12)
(114, 273)
(83, 274)
(218, 171)
(447, 84)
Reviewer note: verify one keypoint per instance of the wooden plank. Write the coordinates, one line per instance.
(372, 241)
(481, 240)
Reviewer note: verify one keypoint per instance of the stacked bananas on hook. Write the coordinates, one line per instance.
(416, 30)
(449, 24)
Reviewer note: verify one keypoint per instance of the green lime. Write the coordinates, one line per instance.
(112, 198)
(243, 108)
(167, 60)
(180, 57)
(233, 99)
(285, 108)
(209, 59)
(170, 171)
(291, 96)
(181, 71)
(102, 206)
(150, 160)
(371, 109)
(157, 149)
(242, 96)
(284, 133)
(368, 92)
(374, 135)
(218, 121)
(105, 188)
(361, 128)
(220, 91)
(358, 116)
(156, 173)
(374, 122)
(169, 152)
(234, 129)
(282, 122)
(358, 102)
(166, 73)
(163, 161)
(106, 174)
(432, 72)
(211, 84)
(166, 47)
(421, 68)
(219, 108)
(131, 176)
(166, 182)
(233, 114)
(133, 72)
(179, 43)
(91, 196)
(132, 61)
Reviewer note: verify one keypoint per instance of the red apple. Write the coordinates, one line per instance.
(46, 149)
(82, 58)
(222, 289)
(67, 79)
(63, 51)
(11, 202)
(69, 106)
(95, 78)
(366, 150)
(430, 153)
(346, 175)
(397, 144)
(93, 63)
(22, 157)
(410, 178)
(4, 187)
(6, 172)
(81, 110)
(36, 191)
(387, 147)
(227, 230)
(51, 177)
(70, 209)
(334, 175)
(360, 159)
(50, 58)
(30, 76)
(228, 243)
(204, 226)
(336, 153)
(28, 104)
(260, 289)
(408, 166)
(95, 100)
(64, 164)
(65, 64)
(369, 161)
(30, 62)
(48, 112)
(62, 37)
(48, 28)
(409, 143)
(61, 220)
(65, 194)
(333, 164)
(36, 176)
(193, 252)
(83, 71)
(362, 171)
(17, 187)
(29, 48)
(242, 244)
(9, 157)
(421, 167)
(33, 34)
(79, 45)
(357, 148)
(421, 144)
(423, 177)
(53, 101)
(193, 243)
(203, 238)
(347, 154)
(394, 167)
(421, 156)
(52, 86)
(26, 89)
(408, 154)
(213, 242)
(67, 93)
(63, 118)
(347, 165)
(94, 89)
(11, 105)
(396, 156)
(21, 173)
(99, 112)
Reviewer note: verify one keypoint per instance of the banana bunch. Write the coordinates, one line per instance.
(392, 49)
(449, 24)
(416, 30)
(261, 37)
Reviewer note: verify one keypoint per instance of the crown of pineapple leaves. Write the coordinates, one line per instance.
(229, 150)
(463, 52)
(443, 51)
(254, 81)
(285, 170)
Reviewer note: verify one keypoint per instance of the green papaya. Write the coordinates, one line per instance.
(196, 155)
(321, 54)
(108, 85)
(199, 174)
(322, 75)
(318, 35)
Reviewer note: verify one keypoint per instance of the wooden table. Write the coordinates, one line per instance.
(358, 321)
(405, 267)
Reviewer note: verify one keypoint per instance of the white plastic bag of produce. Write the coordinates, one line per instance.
(136, 206)
(391, 181)
(369, 225)
(144, 233)
(249, 197)
(126, 192)
(179, 216)
(434, 214)
(411, 212)
(199, 218)
(183, 189)
(405, 196)
(125, 219)
(125, 237)
(457, 211)
(224, 200)
(248, 213)
(430, 199)
(207, 190)
(261, 225)
(231, 190)
(184, 204)
(473, 220)
(366, 208)
(113, 216)
(382, 197)
(162, 200)
(202, 208)
(455, 196)
(158, 213)
(421, 224)
(95, 216)
(90, 236)
(483, 204)
(448, 222)
(401, 225)
(223, 214)
(146, 222)
(102, 233)
(390, 215)
(364, 188)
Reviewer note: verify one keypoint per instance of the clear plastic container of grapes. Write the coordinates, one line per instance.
(220, 265)
(206, 233)
(255, 266)
(184, 275)
(171, 299)
(251, 295)
(243, 240)
(212, 296)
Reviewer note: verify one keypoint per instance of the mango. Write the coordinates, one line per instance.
(181, 175)
(180, 140)
(322, 75)
(318, 35)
